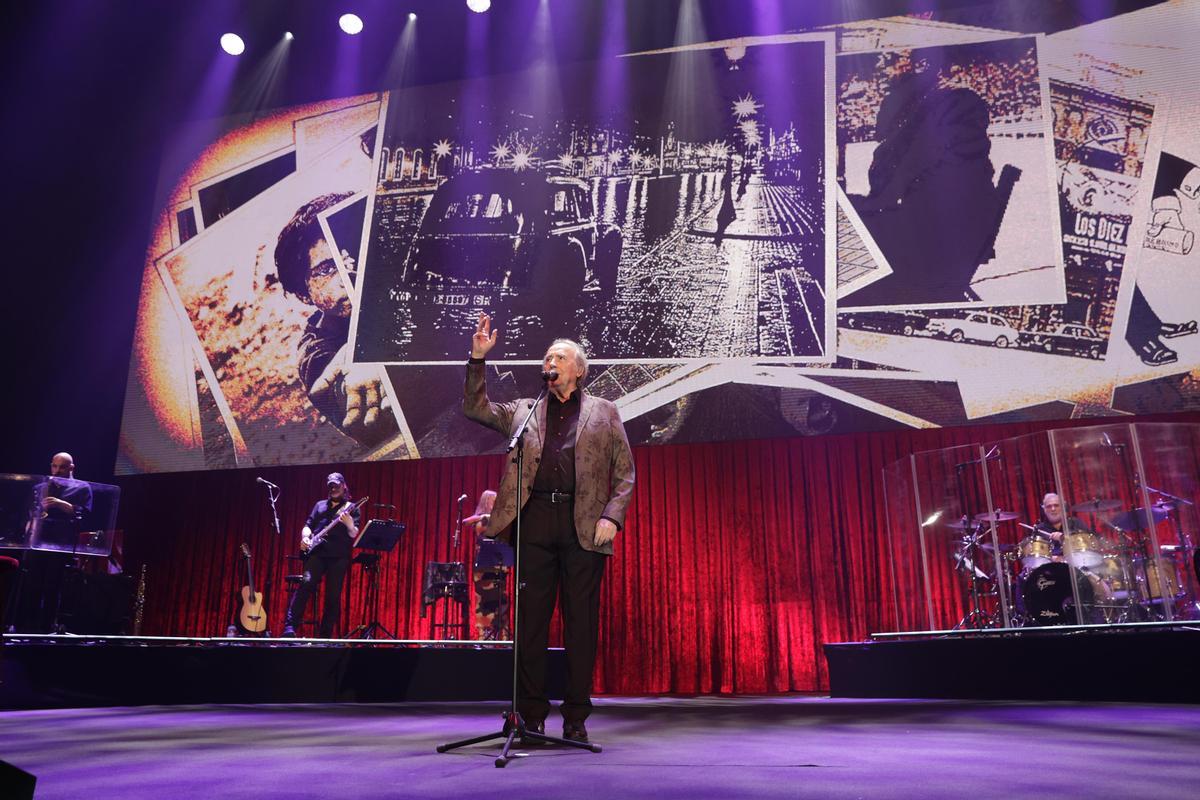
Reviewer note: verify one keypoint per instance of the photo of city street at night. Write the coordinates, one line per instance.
(672, 225)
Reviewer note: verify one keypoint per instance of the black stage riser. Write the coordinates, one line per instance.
(75, 676)
(1157, 667)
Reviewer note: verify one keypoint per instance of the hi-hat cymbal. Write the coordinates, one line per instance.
(1097, 504)
(996, 516)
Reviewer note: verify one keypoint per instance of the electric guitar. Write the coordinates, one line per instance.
(320, 536)
(251, 617)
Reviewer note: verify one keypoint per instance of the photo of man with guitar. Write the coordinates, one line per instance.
(327, 551)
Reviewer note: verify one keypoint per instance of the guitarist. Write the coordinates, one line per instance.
(329, 559)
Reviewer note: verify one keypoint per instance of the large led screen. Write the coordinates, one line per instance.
(906, 222)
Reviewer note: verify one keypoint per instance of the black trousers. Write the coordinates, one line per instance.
(1144, 325)
(554, 565)
(333, 569)
(39, 590)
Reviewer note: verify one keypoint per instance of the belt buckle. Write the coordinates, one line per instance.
(555, 495)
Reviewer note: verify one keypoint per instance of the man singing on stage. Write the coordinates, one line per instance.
(329, 559)
(577, 481)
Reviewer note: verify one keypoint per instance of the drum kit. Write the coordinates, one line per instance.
(1049, 575)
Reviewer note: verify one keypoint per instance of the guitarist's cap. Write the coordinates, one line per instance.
(335, 477)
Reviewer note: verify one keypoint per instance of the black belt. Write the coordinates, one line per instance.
(553, 496)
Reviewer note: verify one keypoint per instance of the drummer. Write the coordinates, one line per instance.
(1054, 523)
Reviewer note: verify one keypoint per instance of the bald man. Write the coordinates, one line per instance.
(64, 502)
(66, 499)
(1054, 523)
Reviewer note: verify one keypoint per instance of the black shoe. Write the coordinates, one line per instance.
(288, 632)
(575, 731)
(533, 727)
(1171, 330)
(1154, 354)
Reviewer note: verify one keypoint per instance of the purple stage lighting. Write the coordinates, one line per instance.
(351, 23)
(479, 6)
(412, 16)
(232, 43)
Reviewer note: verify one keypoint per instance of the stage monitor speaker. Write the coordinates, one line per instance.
(15, 783)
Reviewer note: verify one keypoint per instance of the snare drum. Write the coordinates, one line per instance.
(1034, 550)
(1083, 550)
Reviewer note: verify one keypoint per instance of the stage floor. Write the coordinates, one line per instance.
(784, 747)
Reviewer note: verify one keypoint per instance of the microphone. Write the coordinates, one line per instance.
(266, 482)
(550, 375)
(464, 497)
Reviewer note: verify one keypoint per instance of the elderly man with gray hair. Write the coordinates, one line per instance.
(577, 480)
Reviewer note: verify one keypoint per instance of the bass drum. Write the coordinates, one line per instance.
(1047, 594)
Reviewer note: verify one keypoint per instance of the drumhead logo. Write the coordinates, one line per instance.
(1043, 581)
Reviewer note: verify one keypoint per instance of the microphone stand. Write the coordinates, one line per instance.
(269, 585)
(514, 725)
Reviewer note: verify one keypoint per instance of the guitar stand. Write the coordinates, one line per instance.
(514, 726)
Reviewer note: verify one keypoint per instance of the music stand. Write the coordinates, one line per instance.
(376, 538)
(445, 580)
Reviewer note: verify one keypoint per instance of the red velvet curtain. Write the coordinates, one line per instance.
(737, 563)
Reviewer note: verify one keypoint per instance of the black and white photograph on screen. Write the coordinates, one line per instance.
(1102, 141)
(1156, 351)
(686, 220)
(1161, 345)
(951, 138)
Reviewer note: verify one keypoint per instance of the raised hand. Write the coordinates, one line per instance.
(485, 338)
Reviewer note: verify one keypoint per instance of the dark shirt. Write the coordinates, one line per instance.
(337, 541)
(61, 528)
(556, 471)
(323, 336)
(1073, 525)
(77, 493)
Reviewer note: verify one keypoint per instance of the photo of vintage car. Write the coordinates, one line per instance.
(906, 323)
(497, 232)
(1069, 338)
(975, 326)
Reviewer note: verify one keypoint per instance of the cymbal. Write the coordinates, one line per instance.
(1004, 548)
(1136, 520)
(961, 525)
(1097, 504)
(995, 516)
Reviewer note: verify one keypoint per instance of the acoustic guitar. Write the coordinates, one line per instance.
(251, 617)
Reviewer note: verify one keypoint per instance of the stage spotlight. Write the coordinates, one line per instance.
(479, 6)
(232, 43)
(351, 23)
(288, 36)
(412, 16)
